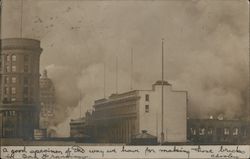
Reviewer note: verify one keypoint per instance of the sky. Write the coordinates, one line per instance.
(206, 47)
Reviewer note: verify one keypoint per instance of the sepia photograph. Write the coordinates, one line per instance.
(125, 77)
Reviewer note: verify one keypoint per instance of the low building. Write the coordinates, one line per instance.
(118, 118)
(218, 131)
(77, 127)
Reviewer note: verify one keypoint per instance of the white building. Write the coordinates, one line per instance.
(174, 112)
(121, 116)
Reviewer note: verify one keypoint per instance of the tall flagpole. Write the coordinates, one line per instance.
(116, 75)
(162, 92)
(80, 104)
(131, 71)
(21, 19)
(104, 80)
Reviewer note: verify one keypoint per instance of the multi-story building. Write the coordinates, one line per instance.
(47, 99)
(19, 108)
(121, 116)
(77, 127)
(218, 131)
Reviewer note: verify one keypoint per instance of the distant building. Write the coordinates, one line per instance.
(121, 116)
(20, 104)
(218, 131)
(47, 99)
(77, 127)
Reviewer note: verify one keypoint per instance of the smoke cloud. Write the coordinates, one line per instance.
(206, 50)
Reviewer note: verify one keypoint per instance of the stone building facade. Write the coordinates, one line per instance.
(121, 116)
(19, 107)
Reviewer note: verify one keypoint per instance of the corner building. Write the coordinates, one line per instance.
(19, 109)
(121, 116)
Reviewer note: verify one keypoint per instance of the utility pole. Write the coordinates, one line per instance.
(162, 92)
(104, 80)
(21, 19)
(131, 70)
(80, 104)
(116, 76)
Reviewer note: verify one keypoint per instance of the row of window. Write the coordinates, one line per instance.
(13, 99)
(11, 57)
(14, 80)
(6, 80)
(210, 131)
(13, 90)
(13, 68)
(14, 58)
(9, 113)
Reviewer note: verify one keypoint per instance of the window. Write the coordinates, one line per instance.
(235, 131)
(226, 131)
(210, 131)
(146, 108)
(12, 113)
(6, 80)
(202, 131)
(13, 68)
(6, 90)
(13, 99)
(13, 58)
(26, 68)
(146, 97)
(13, 90)
(13, 79)
(244, 131)
(193, 131)
(7, 69)
(8, 58)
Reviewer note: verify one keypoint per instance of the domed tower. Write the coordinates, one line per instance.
(47, 98)
(20, 104)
